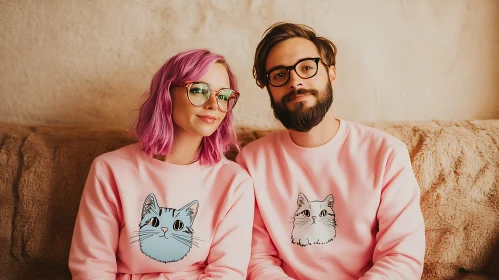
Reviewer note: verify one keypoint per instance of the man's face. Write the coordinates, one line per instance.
(301, 103)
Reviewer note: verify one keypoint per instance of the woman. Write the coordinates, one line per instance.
(171, 206)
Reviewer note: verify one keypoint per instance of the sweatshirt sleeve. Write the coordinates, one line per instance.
(95, 237)
(400, 241)
(265, 263)
(231, 246)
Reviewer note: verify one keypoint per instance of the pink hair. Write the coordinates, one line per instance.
(154, 126)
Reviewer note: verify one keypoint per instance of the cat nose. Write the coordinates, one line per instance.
(165, 229)
(313, 217)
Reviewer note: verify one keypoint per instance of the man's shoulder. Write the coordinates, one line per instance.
(375, 136)
(264, 142)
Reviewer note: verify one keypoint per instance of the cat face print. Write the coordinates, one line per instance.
(314, 222)
(166, 234)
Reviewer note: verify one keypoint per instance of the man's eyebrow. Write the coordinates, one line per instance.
(284, 66)
(276, 67)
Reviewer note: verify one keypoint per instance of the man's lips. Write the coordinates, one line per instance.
(298, 97)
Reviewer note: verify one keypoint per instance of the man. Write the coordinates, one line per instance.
(335, 199)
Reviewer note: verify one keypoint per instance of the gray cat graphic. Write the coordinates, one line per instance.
(166, 234)
(314, 222)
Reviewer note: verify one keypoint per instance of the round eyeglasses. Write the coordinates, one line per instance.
(199, 93)
(305, 68)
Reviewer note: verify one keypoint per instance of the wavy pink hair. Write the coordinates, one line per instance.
(154, 126)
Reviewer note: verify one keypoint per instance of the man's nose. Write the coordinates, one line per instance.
(295, 81)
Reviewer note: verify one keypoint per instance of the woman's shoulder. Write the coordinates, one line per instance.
(117, 157)
(234, 168)
(236, 173)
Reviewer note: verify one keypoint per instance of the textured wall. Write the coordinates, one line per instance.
(88, 62)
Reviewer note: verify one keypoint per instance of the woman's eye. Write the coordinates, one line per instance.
(196, 91)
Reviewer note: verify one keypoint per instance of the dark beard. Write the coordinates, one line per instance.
(303, 119)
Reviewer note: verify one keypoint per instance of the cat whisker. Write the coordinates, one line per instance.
(181, 241)
(184, 239)
(195, 236)
(198, 239)
(141, 239)
(142, 234)
(195, 244)
(180, 238)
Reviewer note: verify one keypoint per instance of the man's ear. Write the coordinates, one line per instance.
(332, 74)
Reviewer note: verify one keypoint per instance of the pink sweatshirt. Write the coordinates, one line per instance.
(141, 218)
(348, 209)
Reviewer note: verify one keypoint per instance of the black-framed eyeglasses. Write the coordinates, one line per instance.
(198, 94)
(305, 68)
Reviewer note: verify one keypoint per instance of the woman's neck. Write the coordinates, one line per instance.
(184, 148)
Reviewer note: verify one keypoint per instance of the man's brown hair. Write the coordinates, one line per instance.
(282, 31)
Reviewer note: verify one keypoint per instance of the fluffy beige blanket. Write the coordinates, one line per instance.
(43, 170)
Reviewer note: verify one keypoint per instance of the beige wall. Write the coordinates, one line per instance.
(88, 62)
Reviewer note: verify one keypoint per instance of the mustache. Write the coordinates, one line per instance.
(294, 93)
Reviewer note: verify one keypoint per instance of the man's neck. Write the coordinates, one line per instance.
(318, 135)
(184, 148)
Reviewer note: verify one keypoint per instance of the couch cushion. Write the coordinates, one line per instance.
(456, 164)
(457, 167)
(11, 139)
(53, 163)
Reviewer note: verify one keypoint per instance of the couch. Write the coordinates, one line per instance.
(43, 170)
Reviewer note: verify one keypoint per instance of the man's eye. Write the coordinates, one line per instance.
(278, 76)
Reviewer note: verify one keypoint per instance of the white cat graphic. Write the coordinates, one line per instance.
(314, 222)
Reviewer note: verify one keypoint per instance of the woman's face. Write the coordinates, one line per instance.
(203, 120)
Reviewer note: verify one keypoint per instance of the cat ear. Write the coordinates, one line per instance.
(191, 210)
(302, 199)
(330, 201)
(150, 204)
